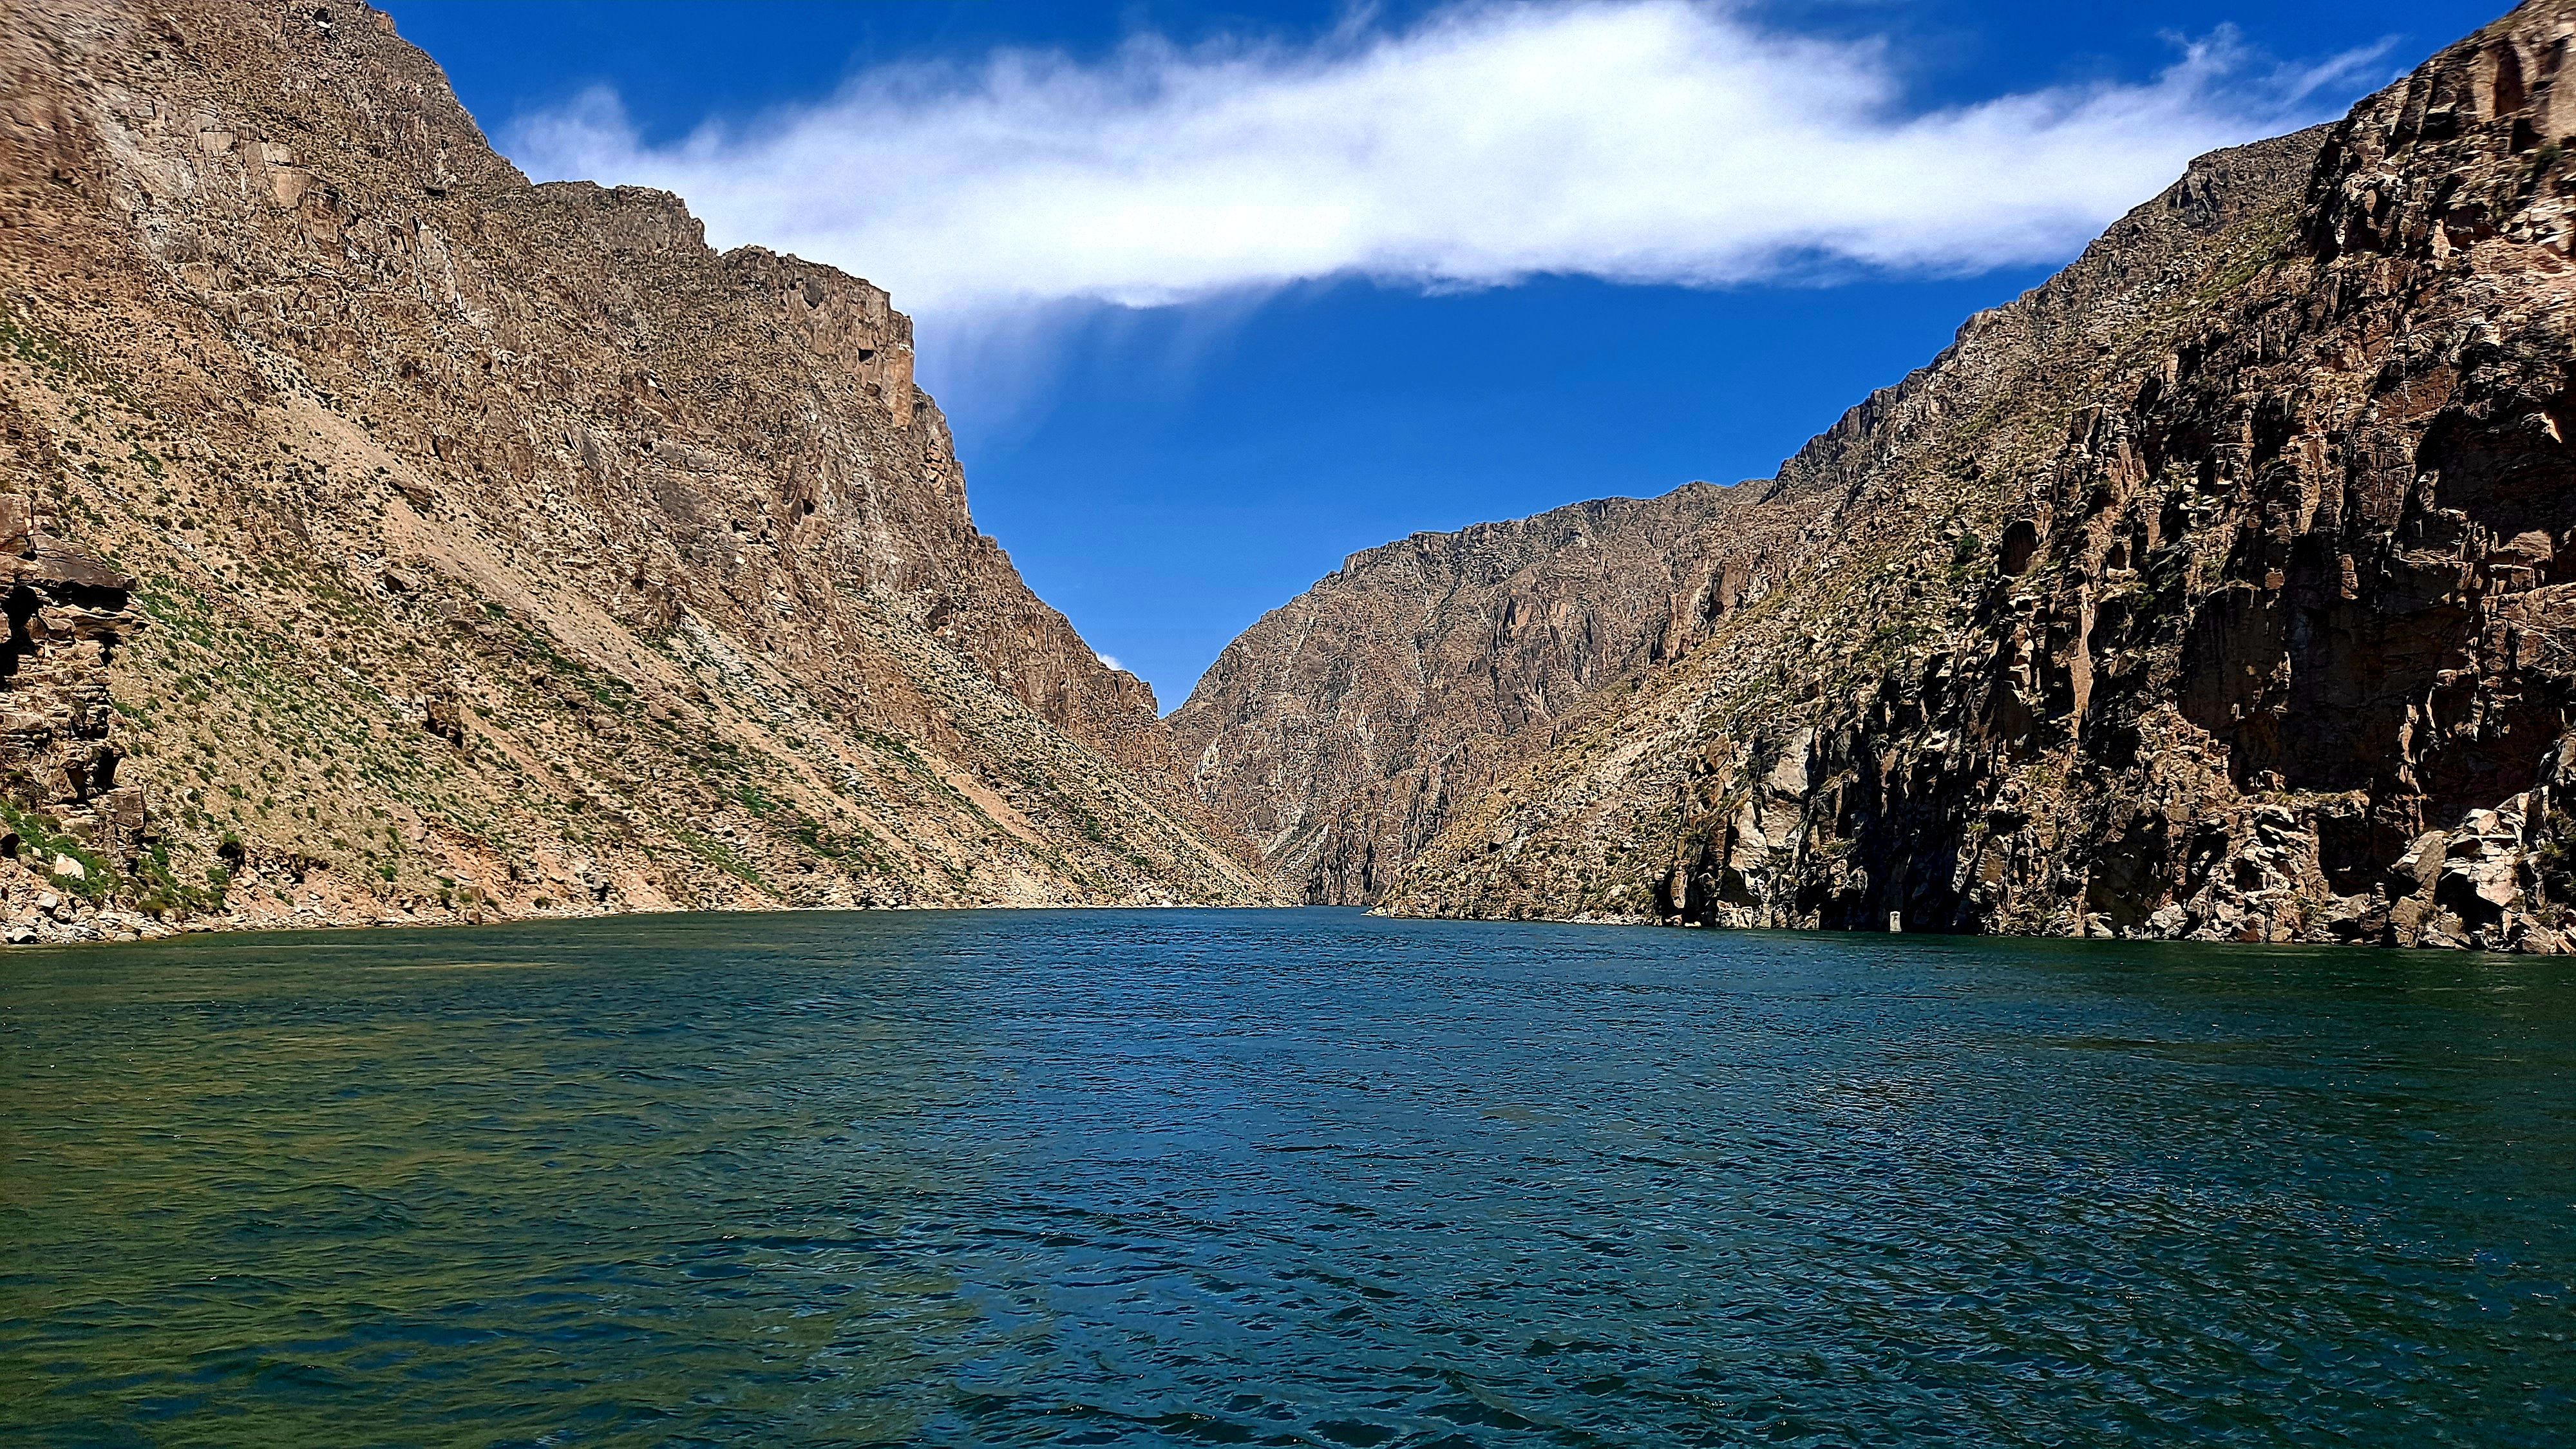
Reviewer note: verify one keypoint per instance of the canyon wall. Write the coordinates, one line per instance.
(2208, 591)
(399, 540)
(1339, 729)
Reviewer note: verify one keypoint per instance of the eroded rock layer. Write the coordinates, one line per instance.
(493, 548)
(2212, 590)
(1339, 729)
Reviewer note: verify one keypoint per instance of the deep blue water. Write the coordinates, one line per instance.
(1279, 1178)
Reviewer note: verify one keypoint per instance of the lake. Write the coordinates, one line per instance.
(1279, 1178)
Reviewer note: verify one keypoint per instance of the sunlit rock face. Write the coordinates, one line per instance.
(1340, 730)
(502, 548)
(2210, 590)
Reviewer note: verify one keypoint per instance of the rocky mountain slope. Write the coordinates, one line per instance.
(395, 539)
(1441, 656)
(1340, 728)
(2209, 591)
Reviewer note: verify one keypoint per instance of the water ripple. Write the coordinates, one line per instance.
(1293, 1178)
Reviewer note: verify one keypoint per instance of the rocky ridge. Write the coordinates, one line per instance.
(1504, 638)
(2210, 591)
(398, 540)
(1338, 730)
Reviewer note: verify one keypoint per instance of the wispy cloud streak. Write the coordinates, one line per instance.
(1632, 140)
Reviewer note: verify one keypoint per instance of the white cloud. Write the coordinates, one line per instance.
(1109, 659)
(1634, 140)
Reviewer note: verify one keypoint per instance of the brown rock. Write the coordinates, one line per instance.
(277, 314)
(2208, 590)
(1339, 729)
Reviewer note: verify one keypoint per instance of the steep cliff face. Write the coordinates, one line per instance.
(1376, 709)
(2242, 621)
(496, 548)
(1339, 729)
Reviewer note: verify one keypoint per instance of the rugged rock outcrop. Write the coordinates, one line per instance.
(2213, 590)
(502, 548)
(1338, 730)
(68, 614)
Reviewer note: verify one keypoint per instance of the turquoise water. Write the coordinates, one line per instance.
(1279, 1178)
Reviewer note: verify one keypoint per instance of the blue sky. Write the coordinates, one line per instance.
(1214, 296)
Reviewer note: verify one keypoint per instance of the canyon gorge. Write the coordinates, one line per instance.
(393, 539)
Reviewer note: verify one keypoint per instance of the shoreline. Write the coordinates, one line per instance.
(118, 927)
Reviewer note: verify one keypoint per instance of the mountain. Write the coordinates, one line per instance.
(395, 539)
(1339, 729)
(1422, 666)
(2207, 591)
